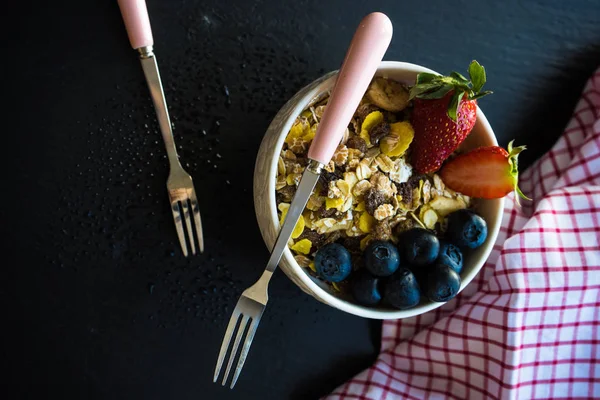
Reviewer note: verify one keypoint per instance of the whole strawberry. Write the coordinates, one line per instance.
(444, 113)
(485, 172)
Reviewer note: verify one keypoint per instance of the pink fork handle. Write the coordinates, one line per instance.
(364, 55)
(135, 15)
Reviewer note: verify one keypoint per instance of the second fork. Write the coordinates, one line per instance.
(182, 194)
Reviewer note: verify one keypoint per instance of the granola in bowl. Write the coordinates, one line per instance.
(382, 190)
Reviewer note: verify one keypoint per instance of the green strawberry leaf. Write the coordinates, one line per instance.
(480, 95)
(416, 90)
(459, 77)
(438, 93)
(477, 75)
(425, 77)
(453, 106)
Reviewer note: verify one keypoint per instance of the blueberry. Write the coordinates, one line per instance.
(442, 283)
(466, 229)
(451, 256)
(382, 258)
(333, 262)
(419, 247)
(365, 288)
(402, 290)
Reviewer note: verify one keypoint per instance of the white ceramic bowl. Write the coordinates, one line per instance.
(265, 175)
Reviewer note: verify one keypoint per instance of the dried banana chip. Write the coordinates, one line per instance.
(366, 222)
(334, 203)
(293, 179)
(361, 207)
(302, 246)
(370, 121)
(299, 228)
(396, 143)
(388, 94)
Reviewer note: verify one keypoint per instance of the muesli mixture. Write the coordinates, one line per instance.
(381, 203)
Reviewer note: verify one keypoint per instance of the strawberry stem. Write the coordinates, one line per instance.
(513, 161)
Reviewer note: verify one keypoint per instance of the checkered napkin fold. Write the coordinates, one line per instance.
(528, 326)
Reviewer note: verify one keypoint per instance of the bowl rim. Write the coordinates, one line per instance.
(318, 292)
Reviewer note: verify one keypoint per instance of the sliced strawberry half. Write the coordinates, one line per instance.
(486, 172)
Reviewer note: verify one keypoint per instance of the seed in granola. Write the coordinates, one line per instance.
(356, 142)
(373, 199)
(378, 132)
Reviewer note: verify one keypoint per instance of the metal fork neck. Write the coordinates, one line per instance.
(146, 51)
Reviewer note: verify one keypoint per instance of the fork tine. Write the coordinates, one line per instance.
(179, 226)
(188, 224)
(226, 340)
(198, 221)
(245, 349)
(238, 339)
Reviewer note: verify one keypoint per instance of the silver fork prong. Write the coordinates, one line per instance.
(236, 344)
(188, 224)
(245, 349)
(197, 221)
(177, 217)
(226, 340)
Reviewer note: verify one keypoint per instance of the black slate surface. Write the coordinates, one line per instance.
(97, 300)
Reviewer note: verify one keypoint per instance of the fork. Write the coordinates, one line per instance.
(182, 195)
(362, 59)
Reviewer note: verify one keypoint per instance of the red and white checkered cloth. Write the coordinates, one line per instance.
(528, 327)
